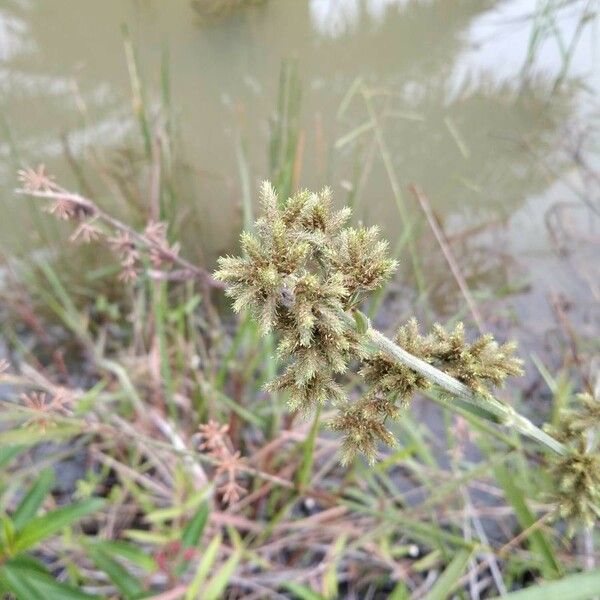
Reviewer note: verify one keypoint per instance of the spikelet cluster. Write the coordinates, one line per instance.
(300, 271)
(480, 365)
(576, 476)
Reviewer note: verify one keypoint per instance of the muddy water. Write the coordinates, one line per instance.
(445, 81)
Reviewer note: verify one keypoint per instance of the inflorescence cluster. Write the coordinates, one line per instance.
(302, 272)
(298, 275)
(480, 365)
(577, 474)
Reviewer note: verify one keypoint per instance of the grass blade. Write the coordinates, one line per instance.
(449, 578)
(582, 586)
(216, 586)
(125, 582)
(32, 501)
(204, 567)
(301, 591)
(7, 453)
(27, 582)
(194, 529)
(42, 527)
(129, 552)
(538, 542)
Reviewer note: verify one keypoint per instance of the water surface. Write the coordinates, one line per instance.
(445, 81)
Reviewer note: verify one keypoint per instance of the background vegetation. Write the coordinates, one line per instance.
(141, 456)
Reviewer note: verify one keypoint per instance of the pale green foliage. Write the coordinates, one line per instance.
(301, 271)
(577, 476)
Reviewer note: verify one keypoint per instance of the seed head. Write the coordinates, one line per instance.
(575, 422)
(301, 271)
(36, 180)
(576, 477)
(85, 233)
(363, 429)
(577, 488)
(361, 259)
(43, 408)
(297, 275)
(480, 365)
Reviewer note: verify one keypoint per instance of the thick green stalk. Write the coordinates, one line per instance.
(504, 413)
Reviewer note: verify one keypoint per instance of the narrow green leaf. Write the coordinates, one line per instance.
(32, 501)
(400, 592)
(28, 562)
(361, 321)
(18, 585)
(427, 532)
(129, 552)
(582, 586)
(27, 436)
(537, 540)
(216, 586)
(301, 591)
(330, 576)
(42, 527)
(194, 529)
(29, 583)
(204, 566)
(179, 510)
(308, 451)
(242, 412)
(147, 537)
(7, 535)
(127, 584)
(7, 453)
(448, 579)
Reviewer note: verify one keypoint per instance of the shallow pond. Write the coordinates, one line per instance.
(454, 96)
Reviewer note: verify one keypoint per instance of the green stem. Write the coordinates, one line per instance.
(504, 413)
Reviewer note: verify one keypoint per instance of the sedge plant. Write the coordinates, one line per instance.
(304, 274)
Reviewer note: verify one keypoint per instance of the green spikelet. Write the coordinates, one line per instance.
(575, 422)
(480, 365)
(360, 257)
(577, 488)
(387, 377)
(576, 477)
(363, 429)
(292, 281)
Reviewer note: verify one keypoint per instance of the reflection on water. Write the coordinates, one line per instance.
(12, 36)
(443, 79)
(337, 17)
